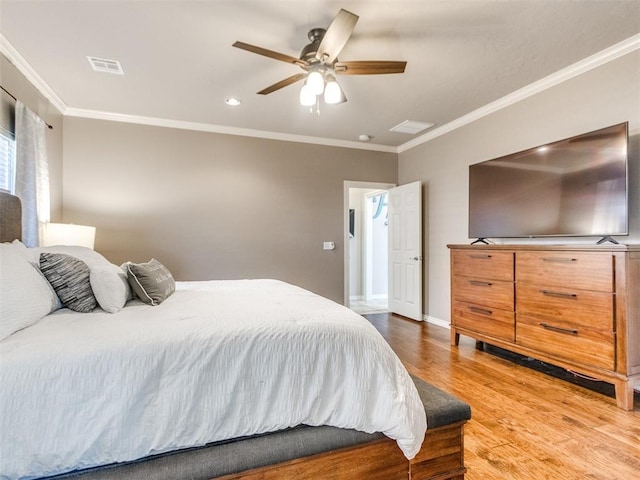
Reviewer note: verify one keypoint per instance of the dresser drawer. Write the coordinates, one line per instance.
(487, 321)
(491, 293)
(489, 264)
(575, 344)
(581, 270)
(566, 304)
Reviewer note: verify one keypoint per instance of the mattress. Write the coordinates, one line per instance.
(216, 360)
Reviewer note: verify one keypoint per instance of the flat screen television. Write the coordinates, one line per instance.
(572, 187)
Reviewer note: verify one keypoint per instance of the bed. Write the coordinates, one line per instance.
(220, 379)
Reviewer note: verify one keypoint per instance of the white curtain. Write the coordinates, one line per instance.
(32, 174)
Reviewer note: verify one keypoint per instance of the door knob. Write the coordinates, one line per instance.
(415, 258)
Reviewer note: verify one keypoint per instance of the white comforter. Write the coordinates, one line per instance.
(216, 360)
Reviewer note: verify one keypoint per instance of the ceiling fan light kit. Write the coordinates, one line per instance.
(319, 60)
(321, 82)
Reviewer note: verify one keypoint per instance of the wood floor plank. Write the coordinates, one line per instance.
(525, 424)
(629, 435)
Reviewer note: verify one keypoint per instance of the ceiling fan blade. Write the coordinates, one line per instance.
(336, 36)
(369, 67)
(282, 83)
(271, 54)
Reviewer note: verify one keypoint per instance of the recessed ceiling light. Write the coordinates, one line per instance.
(234, 102)
(411, 127)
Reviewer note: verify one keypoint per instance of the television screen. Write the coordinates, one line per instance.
(572, 187)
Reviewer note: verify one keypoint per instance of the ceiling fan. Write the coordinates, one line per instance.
(319, 62)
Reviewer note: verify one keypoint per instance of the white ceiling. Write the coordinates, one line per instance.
(180, 66)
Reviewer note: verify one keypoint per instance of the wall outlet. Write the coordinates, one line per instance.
(329, 246)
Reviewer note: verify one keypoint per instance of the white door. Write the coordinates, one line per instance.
(405, 250)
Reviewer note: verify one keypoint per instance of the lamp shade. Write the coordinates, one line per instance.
(315, 82)
(69, 234)
(307, 97)
(332, 92)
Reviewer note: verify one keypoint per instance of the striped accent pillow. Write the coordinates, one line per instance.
(70, 278)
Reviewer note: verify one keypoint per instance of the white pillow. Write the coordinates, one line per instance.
(110, 287)
(25, 295)
(87, 255)
(30, 253)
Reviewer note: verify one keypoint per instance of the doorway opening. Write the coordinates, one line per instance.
(366, 255)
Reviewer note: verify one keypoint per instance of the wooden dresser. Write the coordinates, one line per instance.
(574, 306)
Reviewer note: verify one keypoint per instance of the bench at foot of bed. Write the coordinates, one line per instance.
(441, 458)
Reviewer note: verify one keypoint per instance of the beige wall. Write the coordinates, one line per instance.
(214, 206)
(605, 96)
(22, 89)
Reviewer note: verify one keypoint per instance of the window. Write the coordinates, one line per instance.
(7, 161)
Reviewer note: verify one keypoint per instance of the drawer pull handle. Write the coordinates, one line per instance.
(571, 331)
(559, 259)
(478, 283)
(477, 255)
(482, 311)
(551, 293)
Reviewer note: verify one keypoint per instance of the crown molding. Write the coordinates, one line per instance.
(211, 128)
(30, 74)
(607, 55)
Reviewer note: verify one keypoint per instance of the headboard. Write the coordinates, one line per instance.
(10, 217)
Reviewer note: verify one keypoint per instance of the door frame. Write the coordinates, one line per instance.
(348, 184)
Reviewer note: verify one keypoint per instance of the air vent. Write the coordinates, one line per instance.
(105, 65)
(411, 127)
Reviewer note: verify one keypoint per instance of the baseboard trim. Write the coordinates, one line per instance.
(437, 321)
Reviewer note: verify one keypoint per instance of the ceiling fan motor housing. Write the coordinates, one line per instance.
(308, 53)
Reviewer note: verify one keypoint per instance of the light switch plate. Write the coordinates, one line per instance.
(329, 246)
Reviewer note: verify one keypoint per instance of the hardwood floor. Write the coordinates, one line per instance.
(525, 424)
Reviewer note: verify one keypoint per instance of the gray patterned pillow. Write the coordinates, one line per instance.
(151, 282)
(69, 277)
